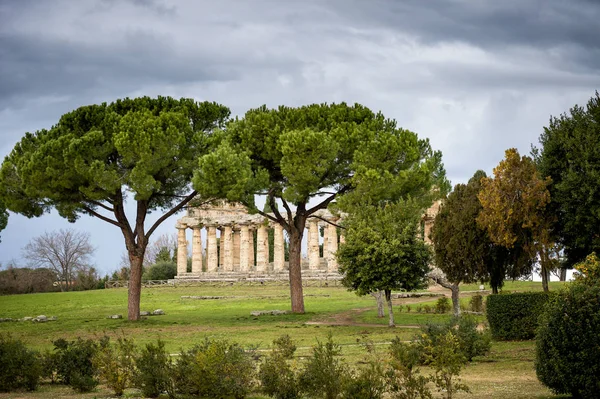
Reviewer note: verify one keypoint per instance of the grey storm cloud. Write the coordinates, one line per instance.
(474, 76)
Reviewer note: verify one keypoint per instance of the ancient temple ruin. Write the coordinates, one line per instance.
(241, 249)
(232, 253)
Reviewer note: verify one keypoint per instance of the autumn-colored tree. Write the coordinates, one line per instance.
(514, 209)
(463, 250)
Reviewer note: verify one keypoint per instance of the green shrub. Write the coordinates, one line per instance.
(471, 342)
(20, 367)
(446, 359)
(215, 369)
(115, 363)
(567, 342)
(324, 375)
(162, 270)
(442, 305)
(476, 303)
(278, 378)
(49, 363)
(515, 316)
(367, 383)
(404, 377)
(285, 346)
(154, 370)
(408, 308)
(427, 308)
(74, 365)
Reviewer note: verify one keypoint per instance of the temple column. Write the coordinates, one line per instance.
(313, 245)
(262, 249)
(181, 251)
(245, 241)
(197, 250)
(221, 249)
(278, 248)
(236, 249)
(251, 248)
(332, 247)
(228, 250)
(342, 238)
(212, 256)
(325, 239)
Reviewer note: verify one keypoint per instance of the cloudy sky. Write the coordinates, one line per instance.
(474, 76)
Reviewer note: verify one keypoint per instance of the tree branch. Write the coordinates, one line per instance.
(173, 210)
(328, 221)
(102, 217)
(287, 208)
(101, 205)
(280, 219)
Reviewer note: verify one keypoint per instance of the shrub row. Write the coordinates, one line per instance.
(515, 316)
(221, 369)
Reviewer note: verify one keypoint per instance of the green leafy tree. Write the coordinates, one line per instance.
(3, 217)
(464, 251)
(98, 155)
(317, 154)
(383, 250)
(570, 156)
(514, 210)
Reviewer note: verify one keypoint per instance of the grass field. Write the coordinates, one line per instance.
(506, 372)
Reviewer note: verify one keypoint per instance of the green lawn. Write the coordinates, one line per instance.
(507, 372)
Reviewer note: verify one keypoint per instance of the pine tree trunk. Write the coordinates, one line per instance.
(545, 278)
(388, 298)
(134, 287)
(295, 272)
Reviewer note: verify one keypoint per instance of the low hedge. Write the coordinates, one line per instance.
(515, 316)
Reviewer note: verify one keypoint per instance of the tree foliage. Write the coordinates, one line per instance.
(463, 250)
(64, 251)
(514, 210)
(318, 153)
(98, 155)
(3, 216)
(570, 156)
(383, 250)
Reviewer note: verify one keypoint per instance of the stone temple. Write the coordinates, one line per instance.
(241, 250)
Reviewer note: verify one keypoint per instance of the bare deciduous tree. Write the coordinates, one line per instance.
(64, 251)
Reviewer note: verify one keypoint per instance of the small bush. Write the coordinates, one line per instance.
(427, 308)
(471, 342)
(277, 378)
(476, 303)
(154, 371)
(215, 369)
(285, 346)
(567, 349)
(442, 305)
(163, 270)
(324, 375)
(419, 308)
(404, 378)
(20, 367)
(115, 363)
(367, 383)
(49, 363)
(515, 316)
(446, 359)
(74, 366)
(408, 308)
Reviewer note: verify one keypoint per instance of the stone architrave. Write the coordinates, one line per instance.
(262, 249)
(251, 248)
(313, 245)
(278, 248)
(244, 248)
(212, 256)
(236, 249)
(197, 250)
(228, 249)
(332, 247)
(181, 251)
